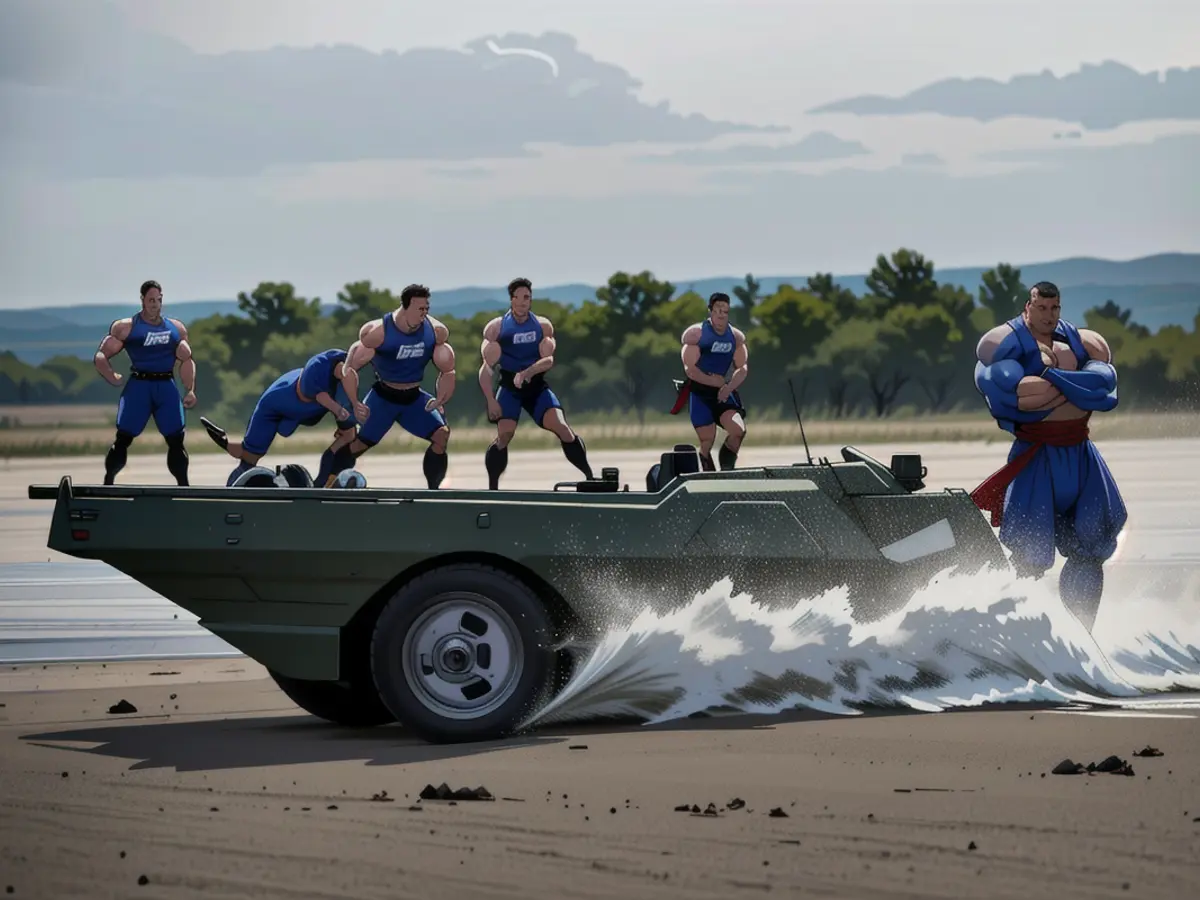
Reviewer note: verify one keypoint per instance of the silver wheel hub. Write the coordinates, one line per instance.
(463, 657)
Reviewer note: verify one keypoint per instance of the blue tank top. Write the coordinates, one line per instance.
(519, 342)
(716, 350)
(401, 358)
(317, 374)
(151, 348)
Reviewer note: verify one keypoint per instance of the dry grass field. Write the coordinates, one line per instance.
(31, 432)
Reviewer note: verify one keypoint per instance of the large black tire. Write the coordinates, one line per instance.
(339, 702)
(468, 619)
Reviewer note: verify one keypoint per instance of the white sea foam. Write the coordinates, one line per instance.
(961, 642)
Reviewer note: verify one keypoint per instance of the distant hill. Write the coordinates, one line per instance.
(1160, 290)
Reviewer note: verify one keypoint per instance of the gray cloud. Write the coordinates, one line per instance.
(1172, 151)
(819, 146)
(921, 159)
(84, 95)
(463, 173)
(1124, 203)
(1098, 97)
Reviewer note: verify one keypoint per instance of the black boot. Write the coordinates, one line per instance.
(117, 456)
(576, 454)
(435, 465)
(727, 457)
(177, 459)
(496, 461)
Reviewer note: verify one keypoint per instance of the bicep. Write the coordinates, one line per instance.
(741, 355)
(111, 345)
(490, 351)
(1096, 346)
(547, 346)
(357, 357)
(690, 354)
(184, 351)
(443, 357)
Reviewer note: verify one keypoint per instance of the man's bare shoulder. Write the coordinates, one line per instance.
(1095, 345)
(738, 335)
(547, 325)
(491, 330)
(371, 334)
(440, 332)
(986, 351)
(120, 328)
(691, 335)
(180, 327)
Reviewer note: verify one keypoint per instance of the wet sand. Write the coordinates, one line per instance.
(216, 786)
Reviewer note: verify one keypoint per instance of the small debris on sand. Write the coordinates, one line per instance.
(1149, 751)
(382, 797)
(1111, 765)
(164, 673)
(578, 747)
(124, 706)
(142, 879)
(444, 792)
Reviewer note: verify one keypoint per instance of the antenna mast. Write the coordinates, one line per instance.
(800, 421)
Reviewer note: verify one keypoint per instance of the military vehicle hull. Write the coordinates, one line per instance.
(458, 613)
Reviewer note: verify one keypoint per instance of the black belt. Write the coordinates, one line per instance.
(152, 376)
(535, 382)
(399, 396)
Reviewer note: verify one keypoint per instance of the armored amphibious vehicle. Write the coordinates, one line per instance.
(458, 613)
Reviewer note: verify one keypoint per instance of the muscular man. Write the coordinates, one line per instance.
(523, 345)
(300, 397)
(399, 346)
(154, 345)
(710, 349)
(1043, 378)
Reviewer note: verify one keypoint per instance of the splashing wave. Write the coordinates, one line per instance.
(962, 641)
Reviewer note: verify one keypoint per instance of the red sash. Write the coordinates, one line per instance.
(989, 496)
(681, 398)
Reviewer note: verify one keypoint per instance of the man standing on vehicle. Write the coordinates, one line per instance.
(154, 345)
(399, 346)
(299, 397)
(1043, 378)
(710, 349)
(523, 346)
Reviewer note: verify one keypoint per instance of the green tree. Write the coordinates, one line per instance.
(906, 279)
(1002, 292)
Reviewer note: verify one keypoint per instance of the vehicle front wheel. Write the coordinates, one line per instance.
(463, 653)
(351, 705)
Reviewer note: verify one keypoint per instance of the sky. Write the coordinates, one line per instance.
(215, 145)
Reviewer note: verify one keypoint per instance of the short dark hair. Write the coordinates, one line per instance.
(718, 297)
(413, 290)
(518, 283)
(1046, 289)
(148, 286)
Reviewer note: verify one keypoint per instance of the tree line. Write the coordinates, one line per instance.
(906, 346)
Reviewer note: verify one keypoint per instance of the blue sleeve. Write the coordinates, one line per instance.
(998, 384)
(1094, 387)
(316, 375)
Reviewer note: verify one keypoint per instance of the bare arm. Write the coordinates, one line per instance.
(490, 351)
(546, 350)
(690, 354)
(112, 344)
(361, 352)
(443, 360)
(741, 361)
(187, 363)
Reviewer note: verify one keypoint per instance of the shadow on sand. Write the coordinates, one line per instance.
(235, 743)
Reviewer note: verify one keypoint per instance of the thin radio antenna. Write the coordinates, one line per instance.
(796, 407)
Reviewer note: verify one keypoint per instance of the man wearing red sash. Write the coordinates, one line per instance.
(1042, 379)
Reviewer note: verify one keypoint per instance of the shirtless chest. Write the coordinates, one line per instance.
(1058, 355)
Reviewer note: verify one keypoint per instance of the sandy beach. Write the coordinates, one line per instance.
(215, 785)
